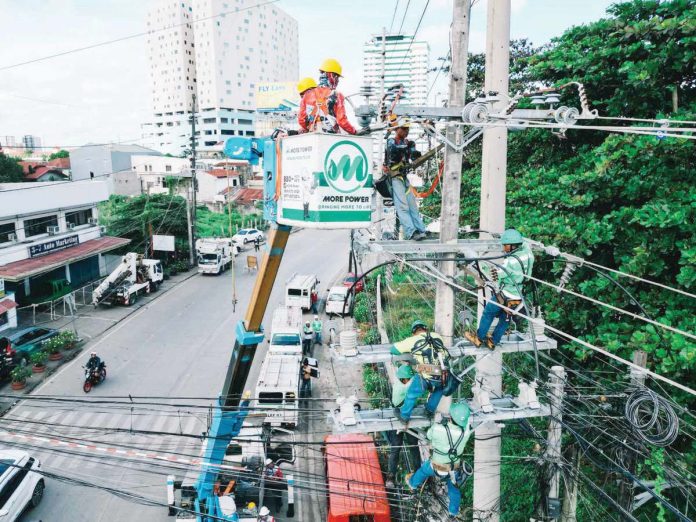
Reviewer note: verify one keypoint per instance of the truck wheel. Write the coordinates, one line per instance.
(37, 495)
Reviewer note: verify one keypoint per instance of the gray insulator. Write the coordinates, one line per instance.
(565, 276)
(559, 114)
(571, 116)
(479, 113)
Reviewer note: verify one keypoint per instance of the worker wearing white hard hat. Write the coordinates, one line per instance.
(265, 515)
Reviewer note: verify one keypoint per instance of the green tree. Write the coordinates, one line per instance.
(10, 170)
(60, 154)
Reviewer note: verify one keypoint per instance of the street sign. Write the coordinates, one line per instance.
(163, 243)
(41, 249)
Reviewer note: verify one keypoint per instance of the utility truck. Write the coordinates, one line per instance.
(298, 290)
(238, 479)
(286, 332)
(215, 254)
(133, 275)
(278, 388)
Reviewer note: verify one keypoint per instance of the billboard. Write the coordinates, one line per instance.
(277, 97)
(163, 243)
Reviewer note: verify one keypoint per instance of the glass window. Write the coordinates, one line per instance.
(270, 398)
(5, 230)
(36, 226)
(167, 168)
(80, 217)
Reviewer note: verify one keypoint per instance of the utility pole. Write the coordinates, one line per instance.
(486, 502)
(192, 251)
(192, 222)
(570, 499)
(553, 447)
(452, 175)
(626, 490)
(379, 213)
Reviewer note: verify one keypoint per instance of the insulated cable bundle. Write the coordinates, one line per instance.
(653, 419)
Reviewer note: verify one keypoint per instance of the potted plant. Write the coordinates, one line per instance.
(53, 347)
(19, 377)
(38, 360)
(69, 339)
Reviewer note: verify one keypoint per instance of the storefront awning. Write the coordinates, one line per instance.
(20, 270)
(6, 305)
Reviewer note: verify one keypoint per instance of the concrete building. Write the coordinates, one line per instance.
(100, 162)
(30, 142)
(406, 62)
(234, 45)
(49, 237)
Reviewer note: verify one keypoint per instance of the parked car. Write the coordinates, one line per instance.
(339, 302)
(27, 341)
(20, 484)
(350, 279)
(247, 235)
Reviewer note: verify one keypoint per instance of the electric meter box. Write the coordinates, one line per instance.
(326, 181)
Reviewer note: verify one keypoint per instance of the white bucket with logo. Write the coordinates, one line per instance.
(326, 181)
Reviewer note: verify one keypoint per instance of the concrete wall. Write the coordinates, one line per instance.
(90, 162)
(126, 183)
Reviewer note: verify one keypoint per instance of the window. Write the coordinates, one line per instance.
(13, 483)
(227, 132)
(208, 120)
(3, 319)
(245, 122)
(224, 120)
(167, 168)
(270, 398)
(36, 226)
(80, 217)
(5, 230)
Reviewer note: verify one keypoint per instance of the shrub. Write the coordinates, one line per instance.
(20, 374)
(38, 358)
(68, 338)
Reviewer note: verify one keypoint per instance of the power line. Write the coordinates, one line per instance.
(403, 19)
(396, 8)
(132, 36)
(420, 20)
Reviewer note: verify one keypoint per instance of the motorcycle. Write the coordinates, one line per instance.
(93, 377)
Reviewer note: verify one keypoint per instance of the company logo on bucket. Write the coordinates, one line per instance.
(346, 167)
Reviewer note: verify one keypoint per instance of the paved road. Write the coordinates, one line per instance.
(177, 346)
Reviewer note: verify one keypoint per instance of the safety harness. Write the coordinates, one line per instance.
(323, 104)
(432, 350)
(458, 471)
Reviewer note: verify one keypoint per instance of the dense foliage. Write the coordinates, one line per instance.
(10, 170)
(62, 153)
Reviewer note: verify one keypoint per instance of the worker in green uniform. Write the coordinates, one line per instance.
(429, 352)
(317, 329)
(400, 439)
(510, 274)
(448, 440)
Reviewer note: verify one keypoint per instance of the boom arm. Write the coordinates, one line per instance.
(231, 410)
(126, 269)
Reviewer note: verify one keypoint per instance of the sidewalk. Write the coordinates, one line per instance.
(89, 323)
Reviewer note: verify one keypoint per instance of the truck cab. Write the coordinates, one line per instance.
(286, 331)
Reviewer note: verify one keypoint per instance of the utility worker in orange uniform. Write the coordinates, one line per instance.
(324, 108)
(304, 86)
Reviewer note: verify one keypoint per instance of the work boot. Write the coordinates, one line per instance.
(489, 343)
(473, 338)
(418, 236)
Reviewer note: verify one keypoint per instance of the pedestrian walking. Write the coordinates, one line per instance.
(257, 244)
(306, 386)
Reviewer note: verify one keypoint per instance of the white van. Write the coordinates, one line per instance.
(20, 484)
(286, 331)
(337, 296)
(278, 388)
(298, 290)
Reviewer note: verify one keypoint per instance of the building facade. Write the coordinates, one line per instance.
(49, 237)
(406, 62)
(221, 57)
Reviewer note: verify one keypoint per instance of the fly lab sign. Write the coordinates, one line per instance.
(41, 249)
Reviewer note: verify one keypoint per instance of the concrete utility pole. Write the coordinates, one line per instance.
(452, 175)
(379, 213)
(553, 448)
(192, 224)
(486, 502)
(192, 250)
(570, 499)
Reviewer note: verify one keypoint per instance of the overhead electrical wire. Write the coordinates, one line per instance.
(135, 35)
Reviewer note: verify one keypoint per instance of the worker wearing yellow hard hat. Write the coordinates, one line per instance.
(306, 84)
(324, 108)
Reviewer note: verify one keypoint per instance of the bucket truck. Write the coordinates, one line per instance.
(330, 187)
(132, 276)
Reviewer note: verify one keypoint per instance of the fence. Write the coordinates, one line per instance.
(65, 306)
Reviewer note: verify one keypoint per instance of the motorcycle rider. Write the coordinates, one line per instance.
(94, 364)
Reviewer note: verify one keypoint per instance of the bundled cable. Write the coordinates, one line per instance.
(652, 418)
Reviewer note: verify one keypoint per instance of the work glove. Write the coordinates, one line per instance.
(394, 351)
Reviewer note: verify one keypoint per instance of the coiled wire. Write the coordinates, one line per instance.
(652, 417)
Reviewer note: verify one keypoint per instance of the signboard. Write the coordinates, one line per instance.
(42, 249)
(2, 288)
(163, 243)
(327, 181)
(277, 97)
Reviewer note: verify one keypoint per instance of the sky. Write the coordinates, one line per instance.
(101, 94)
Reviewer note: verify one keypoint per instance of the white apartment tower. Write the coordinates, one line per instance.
(218, 50)
(406, 62)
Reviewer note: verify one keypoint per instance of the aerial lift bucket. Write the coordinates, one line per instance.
(325, 181)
